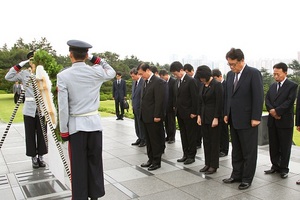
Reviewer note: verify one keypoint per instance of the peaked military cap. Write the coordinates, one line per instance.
(79, 46)
(30, 54)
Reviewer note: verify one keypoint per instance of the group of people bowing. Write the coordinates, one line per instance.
(206, 105)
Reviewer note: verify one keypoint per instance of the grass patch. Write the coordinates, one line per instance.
(108, 106)
(7, 106)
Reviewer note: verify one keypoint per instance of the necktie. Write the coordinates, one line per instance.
(135, 84)
(279, 85)
(179, 83)
(236, 80)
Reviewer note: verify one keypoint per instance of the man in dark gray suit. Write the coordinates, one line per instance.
(170, 121)
(152, 115)
(119, 95)
(16, 91)
(137, 87)
(280, 100)
(243, 108)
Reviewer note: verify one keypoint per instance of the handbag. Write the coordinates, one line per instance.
(126, 104)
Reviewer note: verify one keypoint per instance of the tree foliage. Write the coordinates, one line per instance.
(267, 79)
(42, 57)
(295, 66)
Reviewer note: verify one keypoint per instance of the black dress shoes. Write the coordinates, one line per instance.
(222, 154)
(189, 161)
(211, 170)
(298, 182)
(283, 175)
(171, 141)
(147, 164)
(153, 167)
(35, 162)
(204, 169)
(230, 180)
(142, 144)
(137, 142)
(244, 186)
(270, 171)
(182, 159)
(41, 163)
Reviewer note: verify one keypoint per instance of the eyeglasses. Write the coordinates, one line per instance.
(233, 64)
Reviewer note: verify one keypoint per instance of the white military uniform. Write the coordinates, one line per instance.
(29, 108)
(78, 100)
(35, 142)
(79, 96)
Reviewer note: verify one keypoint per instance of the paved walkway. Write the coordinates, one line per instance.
(125, 179)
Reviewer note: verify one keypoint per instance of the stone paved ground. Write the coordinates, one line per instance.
(125, 179)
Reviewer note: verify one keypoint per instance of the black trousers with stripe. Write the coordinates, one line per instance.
(35, 142)
(85, 150)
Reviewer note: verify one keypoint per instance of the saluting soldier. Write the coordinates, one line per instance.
(35, 142)
(78, 102)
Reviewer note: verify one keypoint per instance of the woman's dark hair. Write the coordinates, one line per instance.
(203, 71)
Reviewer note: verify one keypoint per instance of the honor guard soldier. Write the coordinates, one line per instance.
(35, 142)
(78, 102)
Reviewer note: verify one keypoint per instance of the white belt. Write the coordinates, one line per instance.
(29, 98)
(86, 114)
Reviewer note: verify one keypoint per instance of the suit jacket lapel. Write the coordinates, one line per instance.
(229, 82)
(284, 85)
(148, 85)
(242, 78)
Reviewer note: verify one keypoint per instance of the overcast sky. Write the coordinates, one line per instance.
(155, 30)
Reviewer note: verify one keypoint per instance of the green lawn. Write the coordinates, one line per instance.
(7, 106)
(107, 108)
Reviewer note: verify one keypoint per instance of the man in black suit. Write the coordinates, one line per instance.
(279, 102)
(189, 69)
(297, 121)
(170, 122)
(244, 101)
(17, 91)
(152, 115)
(224, 141)
(137, 86)
(186, 111)
(119, 94)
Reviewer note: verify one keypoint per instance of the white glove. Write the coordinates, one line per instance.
(23, 63)
(90, 56)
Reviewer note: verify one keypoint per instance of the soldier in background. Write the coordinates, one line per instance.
(35, 142)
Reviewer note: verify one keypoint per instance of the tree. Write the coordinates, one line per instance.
(42, 57)
(295, 66)
(131, 62)
(267, 79)
(43, 44)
